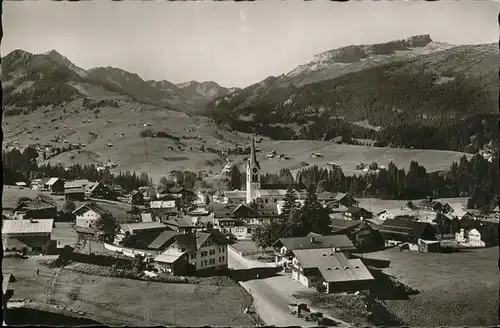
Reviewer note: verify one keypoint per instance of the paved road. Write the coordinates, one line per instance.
(271, 306)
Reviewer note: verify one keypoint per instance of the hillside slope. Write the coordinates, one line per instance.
(436, 91)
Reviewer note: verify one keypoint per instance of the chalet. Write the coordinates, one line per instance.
(28, 236)
(205, 251)
(484, 234)
(37, 184)
(396, 231)
(80, 183)
(99, 190)
(141, 231)
(35, 209)
(75, 194)
(88, 214)
(428, 246)
(117, 189)
(54, 185)
(185, 196)
(136, 198)
(357, 213)
(182, 223)
(283, 247)
(234, 228)
(325, 266)
(430, 204)
(334, 199)
(146, 217)
(361, 233)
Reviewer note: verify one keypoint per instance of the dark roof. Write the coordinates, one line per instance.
(180, 221)
(356, 210)
(89, 206)
(163, 238)
(334, 241)
(341, 225)
(74, 190)
(404, 227)
(182, 190)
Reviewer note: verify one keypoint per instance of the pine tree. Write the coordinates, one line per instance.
(315, 214)
(290, 203)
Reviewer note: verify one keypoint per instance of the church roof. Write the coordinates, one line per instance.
(253, 155)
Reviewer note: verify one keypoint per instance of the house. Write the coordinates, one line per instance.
(75, 194)
(233, 197)
(185, 196)
(332, 269)
(34, 209)
(173, 261)
(136, 198)
(99, 190)
(334, 199)
(54, 185)
(166, 206)
(21, 185)
(283, 247)
(485, 231)
(7, 290)
(430, 204)
(474, 237)
(141, 230)
(395, 231)
(28, 236)
(146, 217)
(206, 250)
(117, 189)
(234, 228)
(428, 246)
(361, 233)
(88, 214)
(357, 213)
(80, 183)
(37, 184)
(182, 223)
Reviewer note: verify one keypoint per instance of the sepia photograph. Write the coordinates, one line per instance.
(242, 164)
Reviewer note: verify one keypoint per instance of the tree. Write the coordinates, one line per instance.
(139, 264)
(107, 225)
(235, 178)
(322, 185)
(290, 203)
(316, 216)
(69, 206)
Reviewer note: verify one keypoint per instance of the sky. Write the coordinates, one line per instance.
(232, 43)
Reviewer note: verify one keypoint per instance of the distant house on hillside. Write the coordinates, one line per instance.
(88, 214)
(136, 198)
(361, 233)
(430, 204)
(142, 230)
(35, 209)
(21, 185)
(334, 199)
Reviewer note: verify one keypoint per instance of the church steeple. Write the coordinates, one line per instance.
(253, 154)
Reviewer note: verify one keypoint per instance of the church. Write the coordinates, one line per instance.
(253, 191)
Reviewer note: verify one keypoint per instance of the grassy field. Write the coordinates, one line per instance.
(12, 194)
(155, 155)
(456, 289)
(116, 301)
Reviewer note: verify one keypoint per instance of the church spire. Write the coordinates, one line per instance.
(253, 154)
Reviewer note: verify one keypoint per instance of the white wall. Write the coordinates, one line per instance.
(219, 256)
(87, 219)
(475, 239)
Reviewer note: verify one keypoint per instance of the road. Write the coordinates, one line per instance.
(271, 303)
(271, 306)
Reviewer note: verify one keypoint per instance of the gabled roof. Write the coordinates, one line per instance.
(52, 181)
(333, 241)
(404, 227)
(181, 221)
(232, 194)
(341, 225)
(163, 238)
(89, 207)
(272, 192)
(333, 266)
(75, 190)
(356, 210)
(76, 183)
(27, 226)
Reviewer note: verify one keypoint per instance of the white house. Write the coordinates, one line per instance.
(475, 240)
(460, 236)
(87, 215)
(207, 250)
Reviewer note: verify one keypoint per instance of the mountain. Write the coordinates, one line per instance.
(373, 92)
(204, 90)
(34, 73)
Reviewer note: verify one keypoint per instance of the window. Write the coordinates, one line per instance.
(212, 251)
(193, 256)
(212, 261)
(205, 262)
(204, 253)
(222, 257)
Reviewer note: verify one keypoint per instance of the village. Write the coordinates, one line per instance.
(179, 232)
